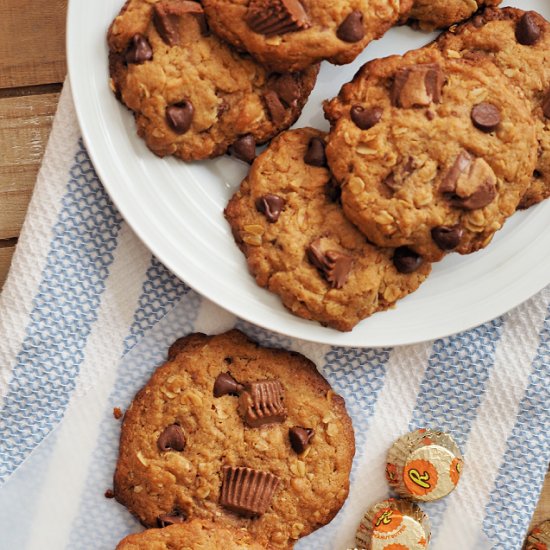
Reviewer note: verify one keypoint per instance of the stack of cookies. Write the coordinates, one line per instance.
(428, 153)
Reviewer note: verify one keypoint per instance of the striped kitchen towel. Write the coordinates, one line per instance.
(87, 313)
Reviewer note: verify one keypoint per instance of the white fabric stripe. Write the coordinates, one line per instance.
(17, 296)
(88, 402)
(394, 407)
(213, 319)
(495, 420)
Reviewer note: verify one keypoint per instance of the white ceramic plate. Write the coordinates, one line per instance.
(176, 209)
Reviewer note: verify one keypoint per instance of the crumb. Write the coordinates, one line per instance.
(109, 493)
(117, 413)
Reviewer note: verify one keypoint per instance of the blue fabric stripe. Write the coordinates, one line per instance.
(521, 474)
(64, 310)
(162, 291)
(453, 387)
(358, 376)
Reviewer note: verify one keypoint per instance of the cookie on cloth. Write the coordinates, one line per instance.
(192, 95)
(439, 14)
(231, 432)
(287, 220)
(190, 536)
(293, 34)
(431, 153)
(518, 42)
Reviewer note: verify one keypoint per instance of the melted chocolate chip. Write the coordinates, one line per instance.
(333, 191)
(447, 238)
(406, 260)
(172, 439)
(352, 29)
(244, 148)
(275, 108)
(287, 88)
(486, 117)
(528, 32)
(225, 384)
(180, 116)
(270, 206)
(546, 105)
(139, 50)
(315, 154)
(170, 519)
(300, 438)
(366, 118)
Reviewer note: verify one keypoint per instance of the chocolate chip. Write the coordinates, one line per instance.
(333, 191)
(270, 206)
(172, 439)
(546, 105)
(287, 88)
(246, 491)
(225, 384)
(170, 519)
(180, 116)
(270, 17)
(335, 266)
(366, 118)
(139, 51)
(406, 260)
(527, 30)
(300, 438)
(352, 29)
(486, 117)
(244, 148)
(275, 108)
(315, 154)
(447, 238)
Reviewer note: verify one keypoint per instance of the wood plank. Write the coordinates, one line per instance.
(32, 42)
(6, 254)
(25, 124)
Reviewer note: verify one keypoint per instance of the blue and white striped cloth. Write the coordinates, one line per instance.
(87, 313)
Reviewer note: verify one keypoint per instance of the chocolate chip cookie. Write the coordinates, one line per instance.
(287, 219)
(518, 43)
(432, 153)
(439, 14)
(241, 435)
(290, 35)
(192, 95)
(191, 536)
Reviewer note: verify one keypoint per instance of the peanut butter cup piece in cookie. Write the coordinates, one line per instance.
(196, 533)
(208, 438)
(319, 264)
(448, 160)
(439, 14)
(290, 35)
(192, 95)
(518, 43)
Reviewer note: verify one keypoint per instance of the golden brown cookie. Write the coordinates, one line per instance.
(192, 95)
(432, 153)
(192, 535)
(290, 35)
(298, 244)
(241, 435)
(439, 14)
(518, 43)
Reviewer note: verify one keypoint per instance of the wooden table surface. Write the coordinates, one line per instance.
(32, 69)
